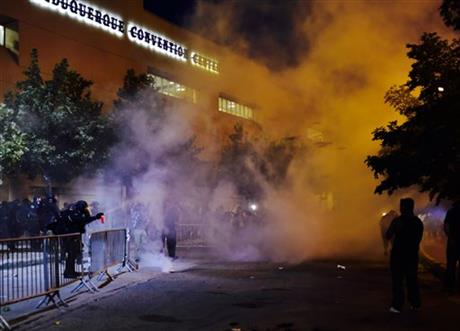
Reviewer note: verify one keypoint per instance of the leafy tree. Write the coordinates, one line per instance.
(278, 157)
(139, 117)
(251, 166)
(63, 130)
(240, 163)
(450, 12)
(424, 150)
(12, 141)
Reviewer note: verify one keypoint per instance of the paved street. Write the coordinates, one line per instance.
(212, 295)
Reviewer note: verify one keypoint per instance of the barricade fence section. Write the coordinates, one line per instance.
(107, 249)
(35, 266)
(192, 235)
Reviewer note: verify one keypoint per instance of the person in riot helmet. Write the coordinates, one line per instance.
(13, 224)
(452, 230)
(406, 231)
(4, 220)
(47, 212)
(24, 217)
(73, 220)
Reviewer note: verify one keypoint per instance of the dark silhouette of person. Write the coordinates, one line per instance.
(24, 217)
(170, 218)
(13, 225)
(48, 212)
(73, 220)
(406, 231)
(3, 220)
(452, 230)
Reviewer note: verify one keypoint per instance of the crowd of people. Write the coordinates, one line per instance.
(26, 218)
(42, 216)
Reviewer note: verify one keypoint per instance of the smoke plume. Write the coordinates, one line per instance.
(324, 83)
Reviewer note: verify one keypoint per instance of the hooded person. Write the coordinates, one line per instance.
(406, 231)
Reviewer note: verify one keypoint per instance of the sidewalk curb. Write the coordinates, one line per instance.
(49, 313)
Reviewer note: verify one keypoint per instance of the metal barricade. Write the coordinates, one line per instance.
(35, 266)
(107, 249)
(191, 235)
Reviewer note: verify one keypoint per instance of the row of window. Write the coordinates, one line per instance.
(236, 109)
(9, 38)
(173, 89)
(179, 91)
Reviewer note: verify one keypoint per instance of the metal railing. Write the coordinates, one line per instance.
(35, 266)
(41, 266)
(107, 249)
(191, 235)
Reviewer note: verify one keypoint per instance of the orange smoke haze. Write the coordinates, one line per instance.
(334, 100)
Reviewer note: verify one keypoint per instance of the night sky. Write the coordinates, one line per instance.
(175, 11)
(267, 28)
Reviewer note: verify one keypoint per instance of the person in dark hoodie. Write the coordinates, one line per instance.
(406, 232)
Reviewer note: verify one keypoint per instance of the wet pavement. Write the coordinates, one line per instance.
(214, 295)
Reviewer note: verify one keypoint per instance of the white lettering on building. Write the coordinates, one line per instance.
(114, 24)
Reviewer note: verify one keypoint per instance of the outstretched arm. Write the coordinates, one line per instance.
(93, 218)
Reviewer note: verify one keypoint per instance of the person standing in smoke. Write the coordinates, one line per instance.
(170, 219)
(73, 220)
(452, 230)
(384, 224)
(406, 231)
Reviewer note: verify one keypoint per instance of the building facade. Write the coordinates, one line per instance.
(102, 39)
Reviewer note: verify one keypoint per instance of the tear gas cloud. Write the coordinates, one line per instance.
(356, 51)
(332, 97)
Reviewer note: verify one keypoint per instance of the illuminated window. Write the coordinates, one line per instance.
(12, 40)
(236, 109)
(173, 89)
(2, 35)
(9, 36)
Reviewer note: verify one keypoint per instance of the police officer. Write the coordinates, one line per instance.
(47, 212)
(73, 220)
(24, 217)
(406, 231)
(13, 225)
(452, 230)
(4, 220)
